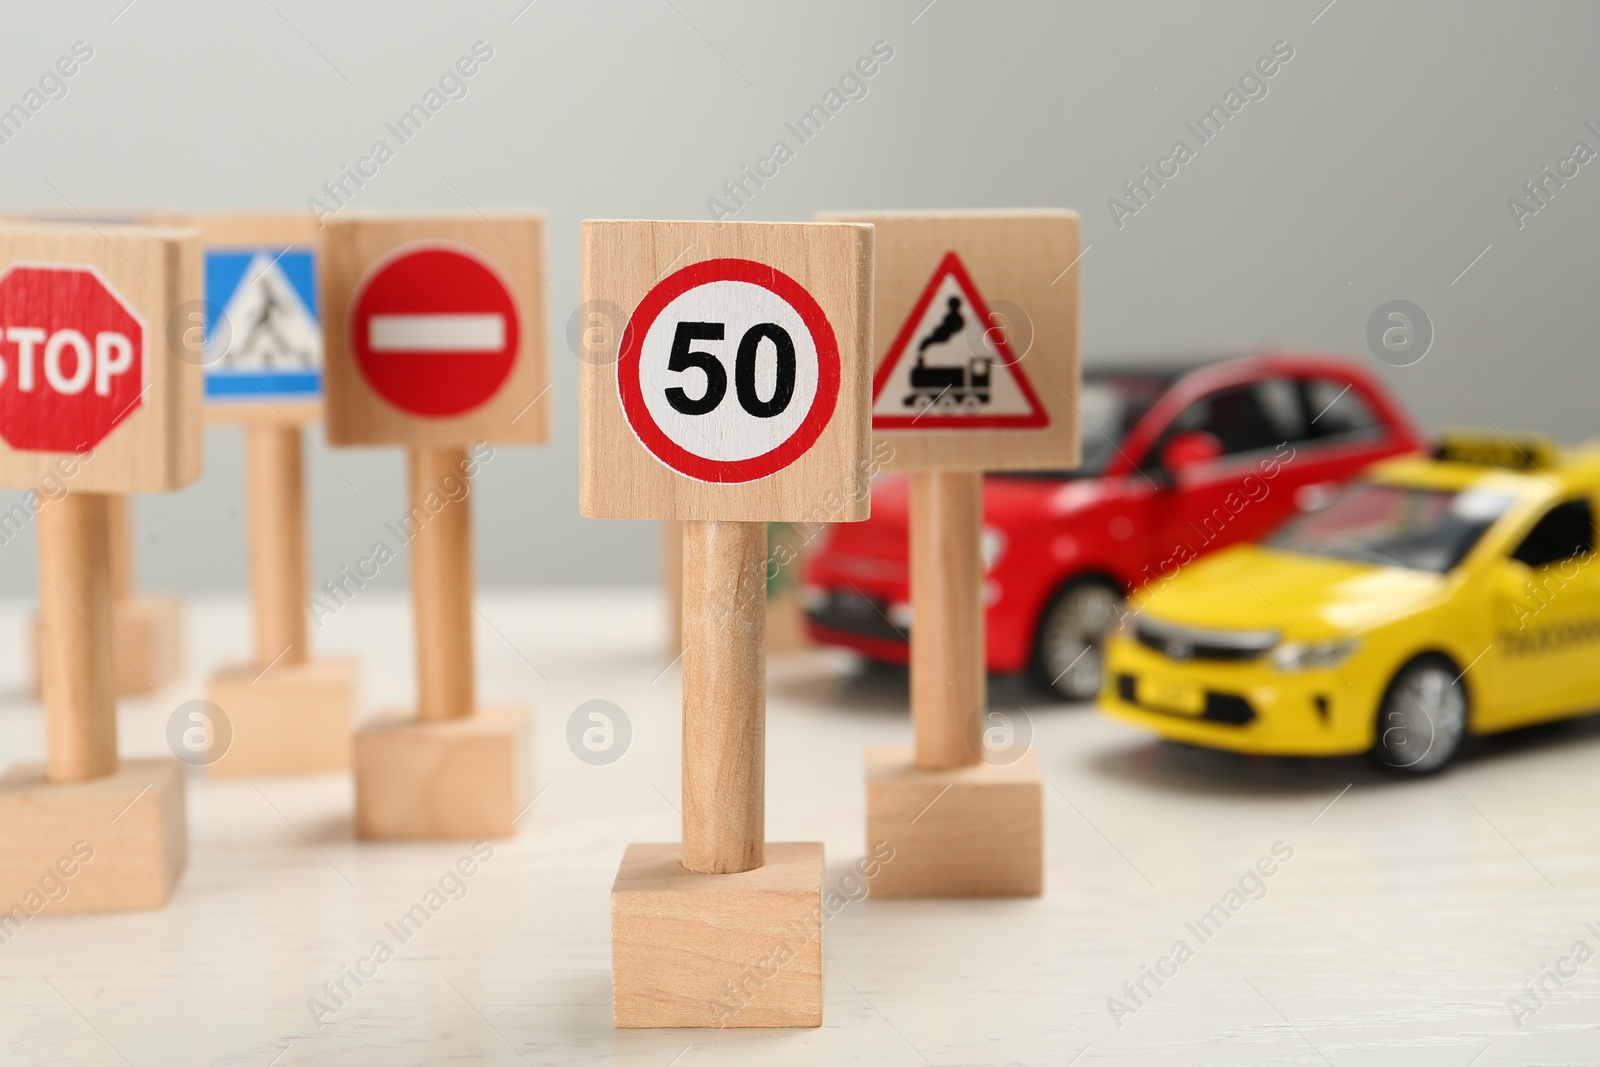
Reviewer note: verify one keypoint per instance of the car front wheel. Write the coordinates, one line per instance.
(1069, 654)
(1423, 718)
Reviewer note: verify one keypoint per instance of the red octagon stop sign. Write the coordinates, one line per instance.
(71, 358)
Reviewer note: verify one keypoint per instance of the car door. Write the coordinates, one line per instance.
(1229, 498)
(1343, 436)
(1545, 603)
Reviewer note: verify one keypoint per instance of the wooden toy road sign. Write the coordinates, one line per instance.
(729, 388)
(980, 373)
(260, 339)
(88, 378)
(976, 353)
(96, 397)
(435, 330)
(436, 341)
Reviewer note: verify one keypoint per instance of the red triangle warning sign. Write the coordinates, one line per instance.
(951, 366)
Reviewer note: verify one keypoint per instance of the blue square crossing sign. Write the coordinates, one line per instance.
(263, 330)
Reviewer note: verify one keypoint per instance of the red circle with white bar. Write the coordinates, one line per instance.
(434, 329)
(728, 371)
(72, 357)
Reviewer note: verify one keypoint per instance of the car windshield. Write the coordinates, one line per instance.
(1109, 406)
(1395, 525)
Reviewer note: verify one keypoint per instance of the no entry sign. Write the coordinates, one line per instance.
(728, 371)
(72, 357)
(434, 329)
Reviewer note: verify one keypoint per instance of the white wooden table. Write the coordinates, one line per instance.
(1407, 917)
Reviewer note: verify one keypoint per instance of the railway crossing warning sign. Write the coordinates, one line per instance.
(951, 367)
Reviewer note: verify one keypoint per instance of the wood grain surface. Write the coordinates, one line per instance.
(441, 582)
(948, 671)
(275, 486)
(1024, 264)
(724, 695)
(157, 445)
(75, 598)
(623, 261)
(519, 412)
(717, 950)
(255, 229)
(974, 831)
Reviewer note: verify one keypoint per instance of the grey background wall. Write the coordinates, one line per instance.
(1377, 166)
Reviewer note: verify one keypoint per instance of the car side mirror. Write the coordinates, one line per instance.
(1511, 578)
(1189, 449)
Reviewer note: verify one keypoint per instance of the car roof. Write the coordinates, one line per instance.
(1203, 373)
(1568, 470)
(1148, 368)
(1189, 380)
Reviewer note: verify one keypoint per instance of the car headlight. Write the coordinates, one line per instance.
(1312, 655)
(991, 545)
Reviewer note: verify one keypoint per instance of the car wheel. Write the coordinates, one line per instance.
(1423, 718)
(1069, 650)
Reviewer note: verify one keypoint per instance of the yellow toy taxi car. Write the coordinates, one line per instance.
(1437, 596)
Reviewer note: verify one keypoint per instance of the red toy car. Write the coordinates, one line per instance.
(1177, 462)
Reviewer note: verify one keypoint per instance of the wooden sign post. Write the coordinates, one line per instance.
(736, 395)
(976, 368)
(259, 336)
(93, 402)
(147, 628)
(436, 341)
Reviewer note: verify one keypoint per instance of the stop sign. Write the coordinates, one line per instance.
(71, 358)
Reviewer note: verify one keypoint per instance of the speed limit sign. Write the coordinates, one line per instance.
(737, 388)
(729, 371)
(734, 394)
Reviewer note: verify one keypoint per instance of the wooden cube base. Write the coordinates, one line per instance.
(116, 843)
(983, 837)
(147, 643)
(290, 720)
(462, 778)
(717, 950)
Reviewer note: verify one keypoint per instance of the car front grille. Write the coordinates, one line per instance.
(1183, 643)
(1227, 709)
(852, 613)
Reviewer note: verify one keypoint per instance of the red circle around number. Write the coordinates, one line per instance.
(433, 279)
(675, 455)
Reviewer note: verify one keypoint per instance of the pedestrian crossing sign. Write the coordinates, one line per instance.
(263, 331)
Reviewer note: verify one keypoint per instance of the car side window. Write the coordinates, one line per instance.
(1565, 531)
(1336, 409)
(1246, 418)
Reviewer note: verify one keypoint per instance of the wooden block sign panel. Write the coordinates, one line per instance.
(976, 357)
(435, 330)
(94, 393)
(261, 328)
(732, 382)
